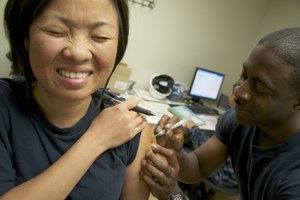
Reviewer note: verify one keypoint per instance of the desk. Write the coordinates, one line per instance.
(160, 107)
(157, 107)
(147, 96)
(210, 122)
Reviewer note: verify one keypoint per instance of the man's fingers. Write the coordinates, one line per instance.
(174, 119)
(157, 160)
(162, 164)
(168, 124)
(151, 182)
(162, 122)
(152, 171)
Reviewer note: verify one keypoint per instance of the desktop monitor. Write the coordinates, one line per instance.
(206, 84)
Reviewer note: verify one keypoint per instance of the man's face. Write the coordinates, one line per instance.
(265, 97)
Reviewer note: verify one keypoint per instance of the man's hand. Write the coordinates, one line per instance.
(160, 170)
(173, 139)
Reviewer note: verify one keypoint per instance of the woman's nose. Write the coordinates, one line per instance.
(78, 50)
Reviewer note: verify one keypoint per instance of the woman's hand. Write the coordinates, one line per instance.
(117, 124)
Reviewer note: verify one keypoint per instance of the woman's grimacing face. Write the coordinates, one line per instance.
(72, 47)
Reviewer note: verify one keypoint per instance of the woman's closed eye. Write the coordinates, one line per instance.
(57, 33)
(101, 38)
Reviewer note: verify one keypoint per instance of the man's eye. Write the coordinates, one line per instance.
(261, 89)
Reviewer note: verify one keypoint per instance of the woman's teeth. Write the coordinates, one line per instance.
(75, 75)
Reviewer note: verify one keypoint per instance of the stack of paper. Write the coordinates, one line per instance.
(184, 112)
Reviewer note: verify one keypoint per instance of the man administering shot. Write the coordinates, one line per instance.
(261, 133)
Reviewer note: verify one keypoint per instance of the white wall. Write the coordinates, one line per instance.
(4, 47)
(176, 36)
(280, 14)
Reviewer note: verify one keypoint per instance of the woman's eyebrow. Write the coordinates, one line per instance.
(69, 22)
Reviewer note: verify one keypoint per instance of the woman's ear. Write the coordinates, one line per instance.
(296, 107)
(26, 43)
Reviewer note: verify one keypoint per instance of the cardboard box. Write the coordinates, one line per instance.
(119, 79)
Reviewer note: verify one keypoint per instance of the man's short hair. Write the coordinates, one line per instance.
(285, 43)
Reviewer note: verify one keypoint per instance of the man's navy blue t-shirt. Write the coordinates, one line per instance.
(262, 173)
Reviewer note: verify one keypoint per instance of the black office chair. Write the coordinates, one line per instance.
(228, 190)
(206, 190)
(222, 180)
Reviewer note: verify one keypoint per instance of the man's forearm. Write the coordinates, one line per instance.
(189, 168)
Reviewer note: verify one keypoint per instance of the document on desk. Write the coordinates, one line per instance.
(205, 122)
(158, 108)
(183, 112)
(210, 122)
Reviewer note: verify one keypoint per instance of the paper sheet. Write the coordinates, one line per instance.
(210, 122)
(158, 108)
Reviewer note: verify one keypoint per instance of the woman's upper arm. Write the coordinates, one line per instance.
(134, 187)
